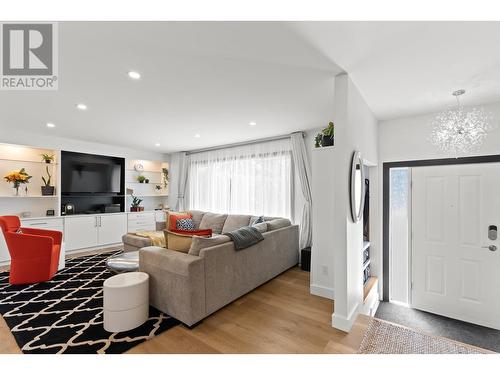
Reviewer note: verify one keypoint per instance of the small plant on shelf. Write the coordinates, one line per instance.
(47, 189)
(17, 178)
(141, 179)
(136, 204)
(327, 139)
(158, 189)
(47, 158)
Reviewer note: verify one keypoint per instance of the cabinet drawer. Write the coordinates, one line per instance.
(141, 216)
(136, 227)
(52, 224)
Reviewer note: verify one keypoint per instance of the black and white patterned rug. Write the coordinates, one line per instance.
(65, 315)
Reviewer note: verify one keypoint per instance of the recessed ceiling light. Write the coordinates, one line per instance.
(81, 106)
(252, 123)
(134, 75)
(157, 144)
(50, 125)
(197, 135)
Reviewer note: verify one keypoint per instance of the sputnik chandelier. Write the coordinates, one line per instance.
(458, 131)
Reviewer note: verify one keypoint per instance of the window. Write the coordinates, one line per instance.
(252, 179)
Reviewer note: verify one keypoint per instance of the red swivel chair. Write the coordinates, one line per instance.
(34, 253)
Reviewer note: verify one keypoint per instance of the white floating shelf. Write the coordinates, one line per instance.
(143, 183)
(151, 195)
(28, 161)
(28, 196)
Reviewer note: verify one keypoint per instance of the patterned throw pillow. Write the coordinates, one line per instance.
(258, 220)
(185, 224)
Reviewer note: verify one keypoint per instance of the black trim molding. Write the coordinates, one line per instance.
(385, 191)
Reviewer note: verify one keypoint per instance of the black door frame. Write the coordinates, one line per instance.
(385, 197)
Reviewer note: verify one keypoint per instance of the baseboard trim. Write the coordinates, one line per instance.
(322, 291)
(345, 323)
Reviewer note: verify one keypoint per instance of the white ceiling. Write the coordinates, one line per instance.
(410, 68)
(213, 78)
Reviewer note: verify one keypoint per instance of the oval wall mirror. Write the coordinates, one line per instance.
(357, 187)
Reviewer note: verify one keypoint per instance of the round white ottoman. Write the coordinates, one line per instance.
(126, 301)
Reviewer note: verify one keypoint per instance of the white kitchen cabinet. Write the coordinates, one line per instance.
(81, 232)
(111, 228)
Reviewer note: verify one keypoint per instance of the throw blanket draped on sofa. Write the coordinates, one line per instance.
(244, 237)
(157, 238)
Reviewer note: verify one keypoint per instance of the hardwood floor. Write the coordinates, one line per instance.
(278, 317)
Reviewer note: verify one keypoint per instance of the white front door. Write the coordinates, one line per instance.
(455, 267)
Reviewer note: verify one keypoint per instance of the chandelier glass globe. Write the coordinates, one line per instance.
(457, 131)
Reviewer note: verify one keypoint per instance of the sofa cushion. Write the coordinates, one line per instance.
(197, 216)
(234, 222)
(278, 223)
(261, 227)
(181, 240)
(173, 216)
(200, 243)
(213, 221)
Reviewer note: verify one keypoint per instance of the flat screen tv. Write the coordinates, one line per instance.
(91, 174)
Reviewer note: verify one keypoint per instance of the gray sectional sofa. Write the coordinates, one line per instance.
(191, 286)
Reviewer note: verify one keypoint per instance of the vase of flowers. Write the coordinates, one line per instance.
(17, 178)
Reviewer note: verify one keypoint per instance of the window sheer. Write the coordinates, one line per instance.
(252, 179)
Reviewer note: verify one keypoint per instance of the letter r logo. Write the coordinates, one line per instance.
(27, 49)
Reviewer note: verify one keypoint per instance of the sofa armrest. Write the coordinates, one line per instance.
(176, 282)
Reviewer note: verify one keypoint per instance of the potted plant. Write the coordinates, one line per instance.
(327, 138)
(146, 180)
(136, 205)
(47, 189)
(141, 179)
(47, 158)
(317, 140)
(165, 177)
(158, 189)
(17, 178)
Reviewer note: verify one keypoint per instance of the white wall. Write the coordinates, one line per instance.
(408, 138)
(355, 129)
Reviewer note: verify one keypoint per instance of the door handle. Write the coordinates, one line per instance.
(490, 247)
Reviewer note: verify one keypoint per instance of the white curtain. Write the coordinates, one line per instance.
(251, 179)
(183, 170)
(303, 169)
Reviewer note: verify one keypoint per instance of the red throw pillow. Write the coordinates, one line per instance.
(200, 232)
(174, 216)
